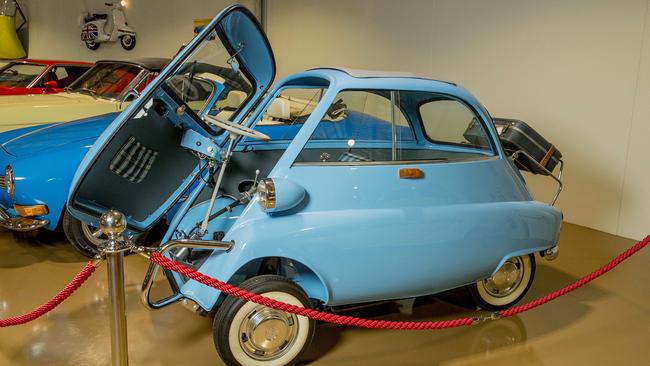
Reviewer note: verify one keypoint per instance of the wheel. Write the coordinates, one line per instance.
(92, 44)
(249, 334)
(127, 42)
(80, 235)
(508, 285)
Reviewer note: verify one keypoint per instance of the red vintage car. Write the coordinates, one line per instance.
(39, 76)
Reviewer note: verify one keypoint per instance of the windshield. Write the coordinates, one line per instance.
(20, 75)
(107, 80)
(212, 62)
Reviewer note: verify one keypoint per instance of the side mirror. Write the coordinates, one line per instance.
(52, 84)
(278, 194)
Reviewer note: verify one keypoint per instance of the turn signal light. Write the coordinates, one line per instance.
(33, 210)
(410, 173)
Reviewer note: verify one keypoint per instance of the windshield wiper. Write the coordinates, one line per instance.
(89, 91)
(67, 89)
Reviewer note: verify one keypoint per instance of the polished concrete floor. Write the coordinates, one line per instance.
(604, 323)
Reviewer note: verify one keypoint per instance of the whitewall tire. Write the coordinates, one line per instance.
(508, 285)
(253, 335)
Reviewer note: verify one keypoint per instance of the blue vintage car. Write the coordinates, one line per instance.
(39, 162)
(333, 187)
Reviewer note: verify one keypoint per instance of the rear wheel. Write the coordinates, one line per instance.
(127, 42)
(508, 285)
(249, 334)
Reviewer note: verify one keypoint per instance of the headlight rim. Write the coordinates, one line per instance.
(266, 194)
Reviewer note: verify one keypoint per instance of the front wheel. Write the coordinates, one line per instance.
(92, 44)
(508, 285)
(86, 238)
(127, 42)
(249, 334)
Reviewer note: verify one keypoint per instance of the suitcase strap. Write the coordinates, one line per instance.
(547, 157)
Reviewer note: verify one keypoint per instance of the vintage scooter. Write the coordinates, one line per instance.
(97, 29)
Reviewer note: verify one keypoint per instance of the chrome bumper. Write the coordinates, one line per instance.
(20, 223)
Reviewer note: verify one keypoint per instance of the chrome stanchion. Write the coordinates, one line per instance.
(112, 224)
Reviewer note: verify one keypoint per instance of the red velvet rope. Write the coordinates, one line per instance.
(383, 324)
(68, 290)
(228, 289)
(579, 283)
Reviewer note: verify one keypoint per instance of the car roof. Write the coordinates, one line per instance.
(51, 62)
(361, 73)
(155, 64)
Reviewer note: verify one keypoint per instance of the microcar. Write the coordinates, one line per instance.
(333, 187)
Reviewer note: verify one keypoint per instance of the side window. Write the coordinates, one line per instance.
(287, 113)
(448, 121)
(379, 126)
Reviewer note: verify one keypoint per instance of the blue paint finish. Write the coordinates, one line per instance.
(359, 233)
(44, 160)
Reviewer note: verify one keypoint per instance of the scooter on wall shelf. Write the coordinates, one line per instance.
(96, 28)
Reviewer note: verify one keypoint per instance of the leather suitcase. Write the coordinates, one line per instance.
(517, 135)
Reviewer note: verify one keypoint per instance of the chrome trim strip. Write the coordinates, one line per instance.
(396, 163)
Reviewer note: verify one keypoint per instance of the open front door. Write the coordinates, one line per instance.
(154, 150)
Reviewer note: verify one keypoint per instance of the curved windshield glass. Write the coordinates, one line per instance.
(212, 62)
(107, 80)
(19, 75)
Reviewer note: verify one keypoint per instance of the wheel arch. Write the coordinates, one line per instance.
(295, 270)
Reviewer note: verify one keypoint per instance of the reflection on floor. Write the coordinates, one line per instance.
(606, 322)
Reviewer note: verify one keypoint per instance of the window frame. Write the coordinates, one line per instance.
(491, 146)
(493, 151)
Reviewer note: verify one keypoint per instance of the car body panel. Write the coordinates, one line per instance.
(361, 232)
(44, 159)
(35, 86)
(26, 110)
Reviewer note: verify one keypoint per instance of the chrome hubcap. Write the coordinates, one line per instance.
(507, 279)
(266, 334)
(92, 234)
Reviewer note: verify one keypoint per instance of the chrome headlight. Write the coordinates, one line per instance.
(9, 180)
(266, 193)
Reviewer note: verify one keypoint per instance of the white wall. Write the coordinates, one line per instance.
(162, 26)
(578, 70)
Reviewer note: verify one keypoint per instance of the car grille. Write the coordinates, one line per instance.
(2, 182)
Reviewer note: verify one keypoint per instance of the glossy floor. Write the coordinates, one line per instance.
(606, 322)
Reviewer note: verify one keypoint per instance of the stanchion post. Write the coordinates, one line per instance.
(112, 224)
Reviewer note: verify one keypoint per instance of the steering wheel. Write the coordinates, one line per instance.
(236, 129)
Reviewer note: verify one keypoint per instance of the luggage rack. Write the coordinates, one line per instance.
(557, 178)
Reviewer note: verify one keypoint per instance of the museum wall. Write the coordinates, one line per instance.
(161, 26)
(578, 71)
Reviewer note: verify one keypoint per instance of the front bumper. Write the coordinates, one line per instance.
(19, 223)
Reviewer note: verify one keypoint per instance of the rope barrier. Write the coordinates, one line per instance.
(383, 324)
(68, 290)
(231, 290)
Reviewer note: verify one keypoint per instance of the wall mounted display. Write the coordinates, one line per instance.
(100, 27)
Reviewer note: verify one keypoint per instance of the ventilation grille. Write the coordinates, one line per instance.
(134, 161)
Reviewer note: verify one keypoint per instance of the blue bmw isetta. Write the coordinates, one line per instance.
(334, 187)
